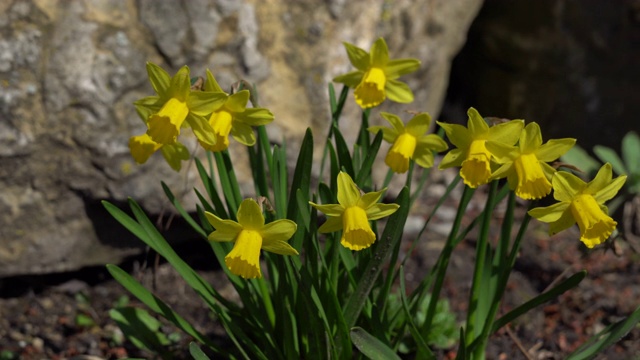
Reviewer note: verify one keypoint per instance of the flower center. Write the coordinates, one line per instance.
(370, 92)
(244, 258)
(532, 182)
(357, 233)
(164, 127)
(595, 225)
(401, 151)
(476, 169)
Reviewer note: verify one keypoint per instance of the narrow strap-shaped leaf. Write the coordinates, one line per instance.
(212, 190)
(556, 291)
(227, 187)
(157, 305)
(370, 346)
(343, 153)
(605, 338)
(196, 352)
(392, 233)
(302, 174)
(367, 163)
(182, 211)
(423, 349)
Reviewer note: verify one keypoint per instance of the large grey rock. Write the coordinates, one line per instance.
(69, 71)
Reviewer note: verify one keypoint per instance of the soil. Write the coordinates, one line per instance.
(66, 316)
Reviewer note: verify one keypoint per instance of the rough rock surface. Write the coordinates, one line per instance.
(69, 71)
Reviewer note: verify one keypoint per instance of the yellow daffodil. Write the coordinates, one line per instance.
(353, 212)
(232, 117)
(175, 104)
(409, 142)
(376, 76)
(582, 203)
(142, 146)
(250, 234)
(471, 153)
(525, 165)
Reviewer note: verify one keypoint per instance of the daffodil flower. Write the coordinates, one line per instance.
(376, 76)
(142, 146)
(175, 104)
(471, 153)
(353, 212)
(582, 203)
(250, 234)
(525, 165)
(232, 117)
(409, 142)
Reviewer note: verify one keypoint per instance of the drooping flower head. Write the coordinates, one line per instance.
(175, 104)
(250, 234)
(471, 153)
(353, 212)
(410, 142)
(375, 77)
(142, 146)
(525, 165)
(232, 117)
(582, 203)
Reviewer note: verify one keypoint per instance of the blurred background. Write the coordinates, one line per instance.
(70, 70)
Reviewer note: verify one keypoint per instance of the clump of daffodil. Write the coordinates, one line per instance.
(409, 142)
(525, 165)
(471, 153)
(250, 234)
(353, 212)
(176, 104)
(582, 203)
(232, 117)
(376, 76)
(142, 146)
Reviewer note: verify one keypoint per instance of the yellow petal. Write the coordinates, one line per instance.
(350, 79)
(250, 215)
(565, 221)
(378, 211)
(507, 133)
(550, 213)
(142, 147)
(348, 192)
(455, 157)
(379, 53)
(400, 153)
(388, 134)
(398, 91)
(419, 125)
(371, 90)
(532, 182)
(476, 124)
(369, 199)
(357, 233)
(243, 134)
(225, 230)
(395, 121)
(399, 67)
(566, 186)
(164, 126)
(159, 79)
(204, 103)
(530, 139)
(180, 85)
(459, 135)
(610, 191)
(211, 84)
(476, 169)
(201, 129)
(237, 102)
(554, 148)
(329, 209)
(595, 225)
(358, 57)
(244, 258)
(279, 230)
(280, 247)
(332, 224)
(254, 117)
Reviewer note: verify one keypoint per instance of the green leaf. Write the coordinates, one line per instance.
(423, 349)
(631, 152)
(196, 352)
(607, 337)
(370, 346)
(343, 153)
(609, 155)
(367, 164)
(212, 191)
(182, 211)
(84, 320)
(392, 233)
(579, 158)
(302, 174)
(556, 291)
(142, 329)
